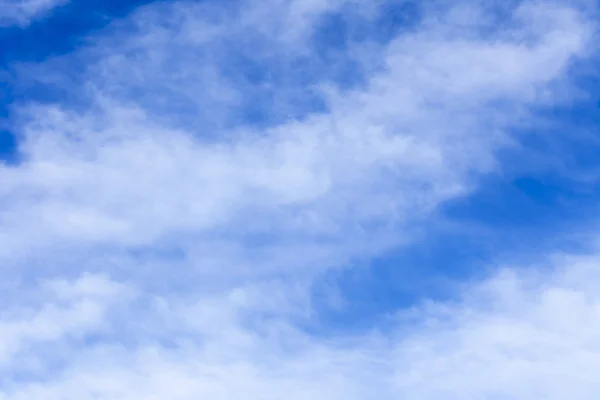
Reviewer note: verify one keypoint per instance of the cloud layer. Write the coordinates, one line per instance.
(162, 234)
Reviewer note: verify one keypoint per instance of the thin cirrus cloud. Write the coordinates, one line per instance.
(162, 234)
(22, 12)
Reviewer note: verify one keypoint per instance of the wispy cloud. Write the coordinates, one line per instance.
(199, 231)
(22, 12)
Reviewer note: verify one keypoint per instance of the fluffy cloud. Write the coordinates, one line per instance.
(520, 334)
(175, 241)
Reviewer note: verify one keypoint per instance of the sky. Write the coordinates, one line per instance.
(299, 199)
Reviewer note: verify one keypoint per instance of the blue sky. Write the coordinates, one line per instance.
(299, 199)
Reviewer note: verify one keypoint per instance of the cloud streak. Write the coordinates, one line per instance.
(23, 12)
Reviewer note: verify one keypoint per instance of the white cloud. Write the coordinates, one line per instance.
(22, 12)
(219, 228)
(521, 334)
(397, 148)
(52, 312)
